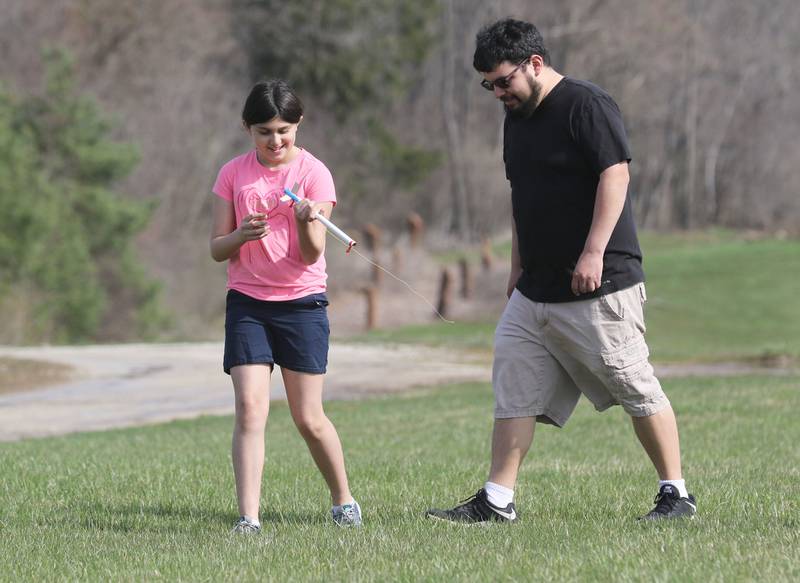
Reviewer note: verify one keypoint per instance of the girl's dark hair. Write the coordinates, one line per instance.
(507, 40)
(270, 99)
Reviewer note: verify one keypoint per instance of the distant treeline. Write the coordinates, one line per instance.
(707, 88)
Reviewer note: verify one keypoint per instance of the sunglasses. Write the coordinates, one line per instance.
(503, 82)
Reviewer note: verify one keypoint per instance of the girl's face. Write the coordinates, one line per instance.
(274, 141)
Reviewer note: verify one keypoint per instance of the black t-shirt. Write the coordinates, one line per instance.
(553, 161)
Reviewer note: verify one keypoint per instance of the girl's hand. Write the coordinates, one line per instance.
(306, 211)
(253, 227)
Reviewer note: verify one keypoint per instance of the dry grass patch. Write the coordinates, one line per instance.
(22, 374)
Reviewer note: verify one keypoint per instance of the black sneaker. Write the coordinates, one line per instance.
(475, 509)
(669, 504)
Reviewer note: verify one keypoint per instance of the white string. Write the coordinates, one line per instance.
(411, 289)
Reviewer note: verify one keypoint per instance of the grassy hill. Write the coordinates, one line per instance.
(713, 295)
(718, 296)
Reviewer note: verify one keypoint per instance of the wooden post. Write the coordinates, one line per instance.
(487, 257)
(398, 259)
(445, 292)
(373, 236)
(467, 282)
(371, 295)
(416, 227)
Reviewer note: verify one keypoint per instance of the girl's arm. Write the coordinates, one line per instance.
(311, 233)
(226, 237)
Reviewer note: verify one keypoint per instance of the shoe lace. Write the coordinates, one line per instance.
(479, 494)
(245, 526)
(347, 514)
(468, 499)
(664, 503)
(475, 505)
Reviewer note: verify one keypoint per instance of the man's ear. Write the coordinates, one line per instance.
(300, 120)
(537, 63)
(245, 127)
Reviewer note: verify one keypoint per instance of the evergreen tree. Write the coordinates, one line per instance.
(66, 265)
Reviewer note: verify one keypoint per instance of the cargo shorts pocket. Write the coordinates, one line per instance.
(625, 365)
(613, 307)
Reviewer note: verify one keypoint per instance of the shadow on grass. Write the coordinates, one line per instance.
(163, 517)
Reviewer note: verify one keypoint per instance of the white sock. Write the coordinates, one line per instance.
(679, 485)
(252, 520)
(339, 507)
(498, 495)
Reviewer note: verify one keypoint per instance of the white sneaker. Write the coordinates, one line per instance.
(347, 514)
(245, 526)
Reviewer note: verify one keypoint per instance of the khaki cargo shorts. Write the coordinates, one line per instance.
(547, 354)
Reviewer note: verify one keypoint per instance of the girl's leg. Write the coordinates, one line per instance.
(304, 393)
(251, 387)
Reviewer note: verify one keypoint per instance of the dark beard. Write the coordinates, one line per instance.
(526, 108)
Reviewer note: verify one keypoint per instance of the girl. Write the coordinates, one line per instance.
(276, 302)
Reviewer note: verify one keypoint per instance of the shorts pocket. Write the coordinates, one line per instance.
(627, 364)
(611, 305)
(320, 300)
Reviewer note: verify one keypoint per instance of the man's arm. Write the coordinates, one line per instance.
(516, 262)
(610, 200)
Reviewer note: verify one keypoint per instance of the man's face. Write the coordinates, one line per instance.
(523, 93)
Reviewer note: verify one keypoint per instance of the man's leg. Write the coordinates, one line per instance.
(511, 440)
(528, 382)
(601, 343)
(658, 435)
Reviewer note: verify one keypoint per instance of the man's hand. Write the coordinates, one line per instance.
(588, 273)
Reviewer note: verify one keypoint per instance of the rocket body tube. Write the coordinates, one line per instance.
(332, 229)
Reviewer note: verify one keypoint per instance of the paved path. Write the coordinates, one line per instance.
(137, 384)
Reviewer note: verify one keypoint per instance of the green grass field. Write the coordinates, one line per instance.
(157, 502)
(711, 296)
(716, 296)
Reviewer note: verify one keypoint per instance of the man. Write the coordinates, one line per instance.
(573, 324)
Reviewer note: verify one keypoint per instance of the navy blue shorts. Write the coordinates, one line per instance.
(292, 334)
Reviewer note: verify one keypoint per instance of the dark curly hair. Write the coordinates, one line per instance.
(270, 99)
(507, 40)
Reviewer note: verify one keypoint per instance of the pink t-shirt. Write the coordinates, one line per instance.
(271, 269)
